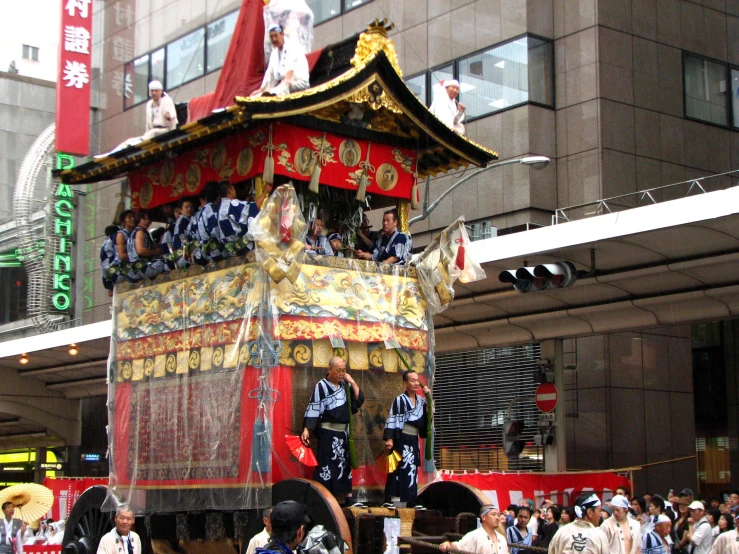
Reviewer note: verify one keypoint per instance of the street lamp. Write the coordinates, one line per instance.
(535, 162)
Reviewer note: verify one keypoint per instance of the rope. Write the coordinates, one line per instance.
(460, 516)
(456, 536)
(357, 518)
(417, 542)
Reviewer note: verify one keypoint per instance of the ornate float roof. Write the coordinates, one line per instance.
(368, 101)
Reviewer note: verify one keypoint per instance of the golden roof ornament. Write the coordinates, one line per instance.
(374, 40)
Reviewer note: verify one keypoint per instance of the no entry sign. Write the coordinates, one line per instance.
(546, 397)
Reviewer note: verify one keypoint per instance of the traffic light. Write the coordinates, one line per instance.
(512, 443)
(540, 277)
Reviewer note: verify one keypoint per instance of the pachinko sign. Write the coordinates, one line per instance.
(73, 80)
(63, 232)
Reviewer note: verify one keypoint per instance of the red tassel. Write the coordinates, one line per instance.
(459, 262)
(286, 221)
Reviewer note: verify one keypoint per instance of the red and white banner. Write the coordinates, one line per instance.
(42, 549)
(73, 79)
(66, 492)
(504, 489)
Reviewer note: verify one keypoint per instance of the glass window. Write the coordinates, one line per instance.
(705, 90)
(185, 58)
(541, 71)
(219, 37)
(136, 84)
(500, 77)
(30, 53)
(417, 85)
(157, 66)
(351, 4)
(13, 294)
(735, 95)
(324, 9)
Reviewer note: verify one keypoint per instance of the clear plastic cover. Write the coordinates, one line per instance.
(212, 368)
(444, 261)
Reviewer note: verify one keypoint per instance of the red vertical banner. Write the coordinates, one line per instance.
(73, 80)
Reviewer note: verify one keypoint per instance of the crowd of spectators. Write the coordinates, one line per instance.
(695, 524)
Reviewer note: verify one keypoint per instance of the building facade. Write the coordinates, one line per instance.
(623, 97)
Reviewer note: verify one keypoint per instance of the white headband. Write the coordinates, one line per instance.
(451, 82)
(487, 509)
(620, 501)
(155, 85)
(591, 502)
(662, 518)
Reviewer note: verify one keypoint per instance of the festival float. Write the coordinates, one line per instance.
(211, 367)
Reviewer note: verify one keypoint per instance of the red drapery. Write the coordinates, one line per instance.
(243, 68)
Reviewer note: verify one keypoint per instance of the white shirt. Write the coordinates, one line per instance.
(290, 58)
(702, 537)
(447, 111)
(258, 541)
(8, 530)
(614, 534)
(726, 543)
(155, 114)
(479, 542)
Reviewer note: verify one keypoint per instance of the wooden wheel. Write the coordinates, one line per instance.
(452, 498)
(319, 504)
(87, 523)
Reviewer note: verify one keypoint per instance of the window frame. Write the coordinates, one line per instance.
(342, 11)
(31, 51)
(205, 50)
(730, 124)
(148, 79)
(455, 72)
(151, 52)
(203, 28)
(733, 125)
(514, 106)
(427, 76)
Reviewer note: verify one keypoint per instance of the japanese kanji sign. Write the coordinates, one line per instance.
(73, 81)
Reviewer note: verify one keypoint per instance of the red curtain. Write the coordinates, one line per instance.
(243, 68)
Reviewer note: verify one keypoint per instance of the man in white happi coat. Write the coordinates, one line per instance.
(287, 70)
(11, 533)
(623, 533)
(728, 542)
(161, 115)
(121, 540)
(581, 536)
(486, 539)
(447, 108)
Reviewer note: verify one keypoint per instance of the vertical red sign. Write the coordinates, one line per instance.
(73, 80)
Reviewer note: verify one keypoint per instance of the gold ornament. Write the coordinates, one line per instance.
(373, 41)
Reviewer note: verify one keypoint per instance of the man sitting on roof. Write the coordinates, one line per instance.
(446, 107)
(161, 115)
(288, 67)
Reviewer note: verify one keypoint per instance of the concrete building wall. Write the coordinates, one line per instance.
(26, 109)
(630, 402)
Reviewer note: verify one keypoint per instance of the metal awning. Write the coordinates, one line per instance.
(664, 264)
